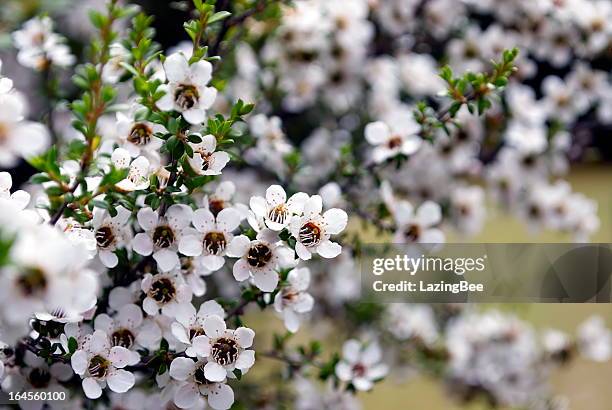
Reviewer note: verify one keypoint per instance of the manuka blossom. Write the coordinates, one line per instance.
(162, 235)
(205, 160)
(190, 324)
(39, 47)
(259, 259)
(360, 364)
(396, 135)
(194, 384)
(312, 230)
(111, 233)
(294, 300)
(165, 292)
(211, 237)
(275, 209)
(187, 91)
(101, 365)
(225, 349)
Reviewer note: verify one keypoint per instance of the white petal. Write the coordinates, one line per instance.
(211, 307)
(291, 320)
(371, 354)
(147, 218)
(246, 360)
(150, 306)
(313, 206)
(201, 346)
(108, 259)
(228, 220)
(214, 326)
(329, 249)
(376, 132)
(195, 116)
(209, 143)
(181, 368)
(220, 396)
(238, 246)
(214, 372)
(79, 361)
(219, 160)
(302, 251)
(166, 259)
(203, 220)
(179, 216)
(201, 72)
(177, 68)
(266, 281)
(432, 235)
(244, 336)
(344, 371)
(213, 262)
(121, 381)
(180, 333)
(276, 195)
(429, 214)
(351, 351)
(362, 384)
(119, 356)
(186, 396)
(335, 220)
(258, 205)
(241, 270)
(91, 388)
(121, 158)
(190, 245)
(411, 145)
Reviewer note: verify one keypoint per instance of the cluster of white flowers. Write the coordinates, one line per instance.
(143, 282)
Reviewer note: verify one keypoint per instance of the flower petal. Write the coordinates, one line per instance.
(91, 388)
(335, 220)
(121, 381)
(214, 326)
(181, 368)
(244, 336)
(214, 372)
(176, 68)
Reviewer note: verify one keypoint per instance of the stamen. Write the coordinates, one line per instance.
(310, 234)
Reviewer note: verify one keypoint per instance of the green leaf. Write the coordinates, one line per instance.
(72, 344)
(218, 16)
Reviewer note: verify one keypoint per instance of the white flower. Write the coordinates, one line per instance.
(360, 364)
(595, 340)
(162, 235)
(113, 70)
(397, 135)
(187, 92)
(6, 84)
(312, 230)
(190, 324)
(293, 300)
(138, 136)
(418, 227)
(99, 364)
(166, 292)
(138, 175)
(46, 270)
(195, 384)
(18, 138)
(127, 329)
(40, 47)
(220, 199)
(211, 236)
(20, 198)
(259, 259)
(111, 232)
(408, 321)
(225, 349)
(275, 210)
(205, 160)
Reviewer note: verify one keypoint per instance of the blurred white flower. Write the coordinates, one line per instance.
(293, 300)
(360, 364)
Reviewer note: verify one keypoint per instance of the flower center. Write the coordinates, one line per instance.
(215, 242)
(310, 234)
(122, 337)
(198, 376)
(39, 378)
(259, 255)
(195, 332)
(140, 134)
(186, 96)
(225, 351)
(359, 370)
(163, 236)
(207, 160)
(394, 142)
(105, 237)
(216, 205)
(3, 133)
(413, 232)
(32, 281)
(186, 264)
(162, 290)
(279, 214)
(98, 366)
